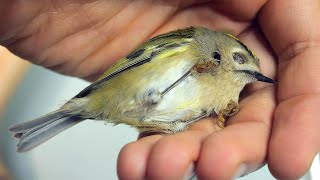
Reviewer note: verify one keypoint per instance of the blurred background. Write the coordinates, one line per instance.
(88, 150)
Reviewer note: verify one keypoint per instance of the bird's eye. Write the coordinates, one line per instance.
(216, 55)
(237, 57)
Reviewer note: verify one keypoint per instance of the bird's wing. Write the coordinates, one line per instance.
(165, 47)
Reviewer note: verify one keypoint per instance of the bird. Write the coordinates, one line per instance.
(166, 84)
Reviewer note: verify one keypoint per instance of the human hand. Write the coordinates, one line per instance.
(83, 39)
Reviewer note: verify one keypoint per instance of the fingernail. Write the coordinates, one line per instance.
(240, 171)
(190, 173)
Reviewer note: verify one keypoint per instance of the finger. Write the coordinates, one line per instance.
(243, 143)
(135, 167)
(172, 156)
(292, 28)
(295, 138)
(133, 158)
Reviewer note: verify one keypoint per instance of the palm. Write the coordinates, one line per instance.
(83, 38)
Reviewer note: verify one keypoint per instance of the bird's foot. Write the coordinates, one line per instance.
(231, 109)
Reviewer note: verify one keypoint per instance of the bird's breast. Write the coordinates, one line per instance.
(200, 92)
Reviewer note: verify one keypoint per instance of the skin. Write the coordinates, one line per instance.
(278, 125)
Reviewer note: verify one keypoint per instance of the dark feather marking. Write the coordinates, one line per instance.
(256, 61)
(161, 45)
(182, 33)
(17, 135)
(176, 45)
(246, 48)
(168, 36)
(135, 54)
(97, 84)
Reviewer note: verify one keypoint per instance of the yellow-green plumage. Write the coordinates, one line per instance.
(165, 85)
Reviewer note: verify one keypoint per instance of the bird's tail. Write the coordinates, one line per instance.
(33, 133)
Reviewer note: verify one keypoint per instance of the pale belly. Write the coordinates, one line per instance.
(187, 101)
(184, 104)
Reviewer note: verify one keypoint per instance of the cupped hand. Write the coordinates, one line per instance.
(277, 125)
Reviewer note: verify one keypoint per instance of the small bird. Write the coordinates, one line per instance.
(165, 85)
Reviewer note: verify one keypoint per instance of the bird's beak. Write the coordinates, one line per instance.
(260, 77)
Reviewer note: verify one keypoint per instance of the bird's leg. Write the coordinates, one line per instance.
(231, 109)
